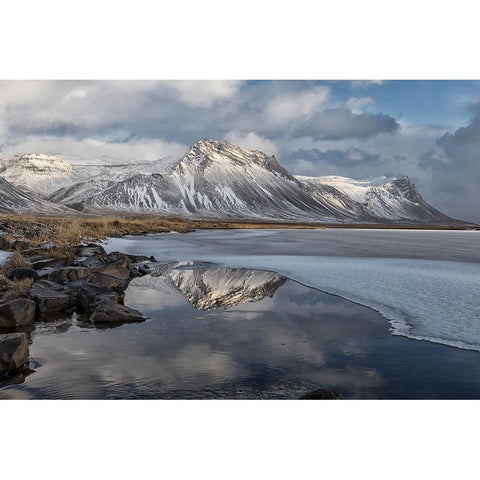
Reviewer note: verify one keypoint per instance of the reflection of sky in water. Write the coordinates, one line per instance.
(294, 340)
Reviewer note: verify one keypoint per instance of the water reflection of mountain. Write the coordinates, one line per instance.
(208, 287)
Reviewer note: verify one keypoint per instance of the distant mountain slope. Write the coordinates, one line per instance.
(219, 180)
(39, 173)
(14, 200)
(380, 199)
(45, 174)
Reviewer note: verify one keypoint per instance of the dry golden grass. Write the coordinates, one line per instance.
(16, 260)
(12, 289)
(68, 231)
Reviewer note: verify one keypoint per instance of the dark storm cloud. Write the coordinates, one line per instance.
(455, 171)
(464, 137)
(340, 123)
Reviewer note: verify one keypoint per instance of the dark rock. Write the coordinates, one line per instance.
(13, 352)
(90, 295)
(92, 262)
(115, 271)
(135, 272)
(17, 313)
(144, 270)
(51, 263)
(321, 394)
(111, 312)
(117, 258)
(68, 274)
(22, 273)
(3, 242)
(63, 327)
(91, 249)
(109, 281)
(45, 272)
(141, 258)
(51, 296)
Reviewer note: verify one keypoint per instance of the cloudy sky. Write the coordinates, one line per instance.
(428, 130)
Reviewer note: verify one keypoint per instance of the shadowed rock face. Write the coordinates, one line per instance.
(208, 288)
(17, 313)
(13, 352)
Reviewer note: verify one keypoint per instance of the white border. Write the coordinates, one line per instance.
(239, 40)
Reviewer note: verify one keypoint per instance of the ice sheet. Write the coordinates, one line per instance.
(430, 299)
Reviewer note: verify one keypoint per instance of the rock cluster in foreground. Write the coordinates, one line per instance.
(91, 283)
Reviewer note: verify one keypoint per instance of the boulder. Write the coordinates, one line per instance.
(117, 258)
(17, 313)
(51, 263)
(109, 281)
(144, 269)
(92, 262)
(111, 312)
(68, 274)
(135, 272)
(51, 296)
(90, 295)
(91, 249)
(115, 271)
(22, 273)
(141, 258)
(45, 272)
(13, 352)
(321, 394)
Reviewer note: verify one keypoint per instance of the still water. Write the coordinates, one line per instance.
(220, 332)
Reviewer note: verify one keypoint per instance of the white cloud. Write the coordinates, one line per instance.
(204, 93)
(289, 107)
(95, 148)
(357, 104)
(366, 83)
(252, 141)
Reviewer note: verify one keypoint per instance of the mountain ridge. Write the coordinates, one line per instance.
(216, 179)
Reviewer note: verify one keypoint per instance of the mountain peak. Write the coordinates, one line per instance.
(42, 162)
(408, 189)
(206, 152)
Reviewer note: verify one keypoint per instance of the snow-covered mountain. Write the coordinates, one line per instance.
(45, 174)
(14, 200)
(395, 199)
(214, 179)
(218, 180)
(39, 173)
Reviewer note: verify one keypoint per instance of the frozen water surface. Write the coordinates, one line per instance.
(426, 283)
